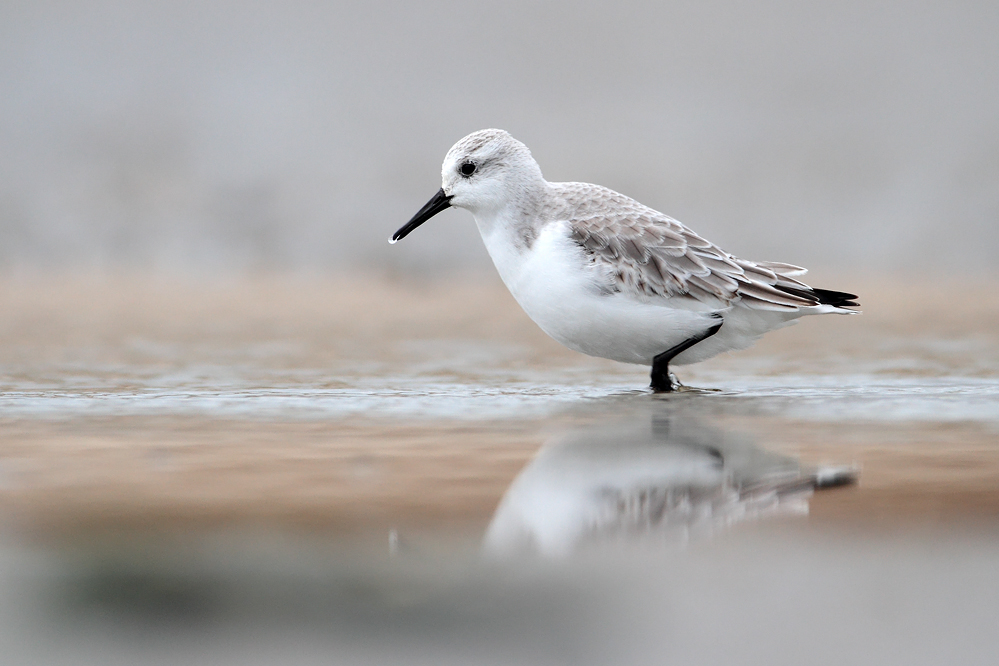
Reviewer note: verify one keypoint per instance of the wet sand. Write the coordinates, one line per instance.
(138, 401)
(372, 470)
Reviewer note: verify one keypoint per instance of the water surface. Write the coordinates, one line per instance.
(412, 472)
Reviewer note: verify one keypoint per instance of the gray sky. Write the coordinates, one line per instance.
(209, 135)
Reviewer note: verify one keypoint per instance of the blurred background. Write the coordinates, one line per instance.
(236, 426)
(298, 135)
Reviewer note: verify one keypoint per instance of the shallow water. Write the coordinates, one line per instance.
(412, 472)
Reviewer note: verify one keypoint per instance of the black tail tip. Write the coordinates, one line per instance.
(837, 299)
(836, 477)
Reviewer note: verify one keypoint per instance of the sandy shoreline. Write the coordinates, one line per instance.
(100, 336)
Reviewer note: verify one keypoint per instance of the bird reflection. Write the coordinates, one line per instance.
(667, 481)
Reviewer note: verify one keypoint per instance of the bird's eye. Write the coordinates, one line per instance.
(467, 169)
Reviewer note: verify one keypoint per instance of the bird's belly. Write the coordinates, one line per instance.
(608, 326)
(554, 286)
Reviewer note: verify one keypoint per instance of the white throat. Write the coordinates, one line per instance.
(503, 235)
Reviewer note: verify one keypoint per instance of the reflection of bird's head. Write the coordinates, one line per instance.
(670, 476)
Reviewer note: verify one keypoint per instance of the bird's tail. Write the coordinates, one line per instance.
(837, 299)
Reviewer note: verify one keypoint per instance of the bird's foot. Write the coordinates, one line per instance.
(667, 384)
(675, 382)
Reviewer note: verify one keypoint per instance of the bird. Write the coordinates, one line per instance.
(607, 276)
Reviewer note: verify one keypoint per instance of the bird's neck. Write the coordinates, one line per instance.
(519, 219)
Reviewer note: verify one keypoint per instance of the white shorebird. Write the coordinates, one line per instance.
(606, 276)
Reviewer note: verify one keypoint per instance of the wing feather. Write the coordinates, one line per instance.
(645, 253)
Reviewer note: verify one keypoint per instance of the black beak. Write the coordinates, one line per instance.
(439, 202)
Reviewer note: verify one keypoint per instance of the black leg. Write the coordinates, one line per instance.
(663, 380)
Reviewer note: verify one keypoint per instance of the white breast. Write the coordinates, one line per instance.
(555, 285)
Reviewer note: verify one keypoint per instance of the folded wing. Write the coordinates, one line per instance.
(647, 254)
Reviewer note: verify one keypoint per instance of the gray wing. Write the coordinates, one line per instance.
(645, 253)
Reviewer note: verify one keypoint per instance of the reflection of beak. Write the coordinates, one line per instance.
(439, 202)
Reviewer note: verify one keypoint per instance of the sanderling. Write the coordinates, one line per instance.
(606, 276)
